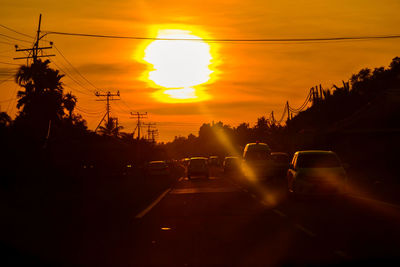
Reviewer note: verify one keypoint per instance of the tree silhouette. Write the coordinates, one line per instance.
(42, 97)
(69, 102)
(5, 120)
(110, 128)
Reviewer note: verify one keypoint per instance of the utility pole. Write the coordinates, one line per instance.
(34, 51)
(153, 133)
(138, 116)
(288, 110)
(273, 121)
(150, 126)
(108, 97)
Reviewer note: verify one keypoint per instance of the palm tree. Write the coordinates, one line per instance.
(111, 128)
(69, 102)
(42, 97)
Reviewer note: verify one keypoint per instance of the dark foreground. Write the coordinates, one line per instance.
(200, 222)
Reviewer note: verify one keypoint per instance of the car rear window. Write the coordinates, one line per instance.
(197, 162)
(318, 161)
(257, 155)
(158, 165)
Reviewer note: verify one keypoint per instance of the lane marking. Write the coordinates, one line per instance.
(305, 230)
(155, 202)
(280, 213)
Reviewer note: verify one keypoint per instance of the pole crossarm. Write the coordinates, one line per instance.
(108, 96)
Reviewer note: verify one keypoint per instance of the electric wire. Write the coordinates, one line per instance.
(14, 93)
(7, 79)
(70, 77)
(6, 63)
(341, 38)
(75, 69)
(7, 100)
(283, 114)
(10, 29)
(13, 38)
(8, 43)
(301, 108)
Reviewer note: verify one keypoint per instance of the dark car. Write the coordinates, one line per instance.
(198, 166)
(231, 165)
(316, 172)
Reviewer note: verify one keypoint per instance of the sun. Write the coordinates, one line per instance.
(178, 67)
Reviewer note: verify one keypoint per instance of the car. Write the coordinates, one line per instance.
(198, 166)
(231, 164)
(158, 168)
(257, 164)
(213, 161)
(316, 172)
(281, 164)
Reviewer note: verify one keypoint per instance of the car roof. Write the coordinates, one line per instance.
(198, 158)
(156, 161)
(251, 146)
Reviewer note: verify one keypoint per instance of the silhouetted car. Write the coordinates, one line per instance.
(198, 166)
(158, 168)
(213, 161)
(281, 163)
(185, 161)
(257, 162)
(231, 165)
(316, 172)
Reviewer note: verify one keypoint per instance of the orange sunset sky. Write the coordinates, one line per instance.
(229, 82)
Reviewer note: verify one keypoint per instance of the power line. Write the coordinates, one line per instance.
(67, 74)
(2, 42)
(7, 100)
(346, 38)
(8, 28)
(297, 110)
(10, 63)
(75, 69)
(10, 37)
(7, 79)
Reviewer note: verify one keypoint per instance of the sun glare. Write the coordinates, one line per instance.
(180, 67)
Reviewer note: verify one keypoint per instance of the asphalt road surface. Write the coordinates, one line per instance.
(221, 221)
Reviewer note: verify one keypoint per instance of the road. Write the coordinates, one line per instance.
(222, 221)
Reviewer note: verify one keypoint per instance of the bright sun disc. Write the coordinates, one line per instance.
(178, 66)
